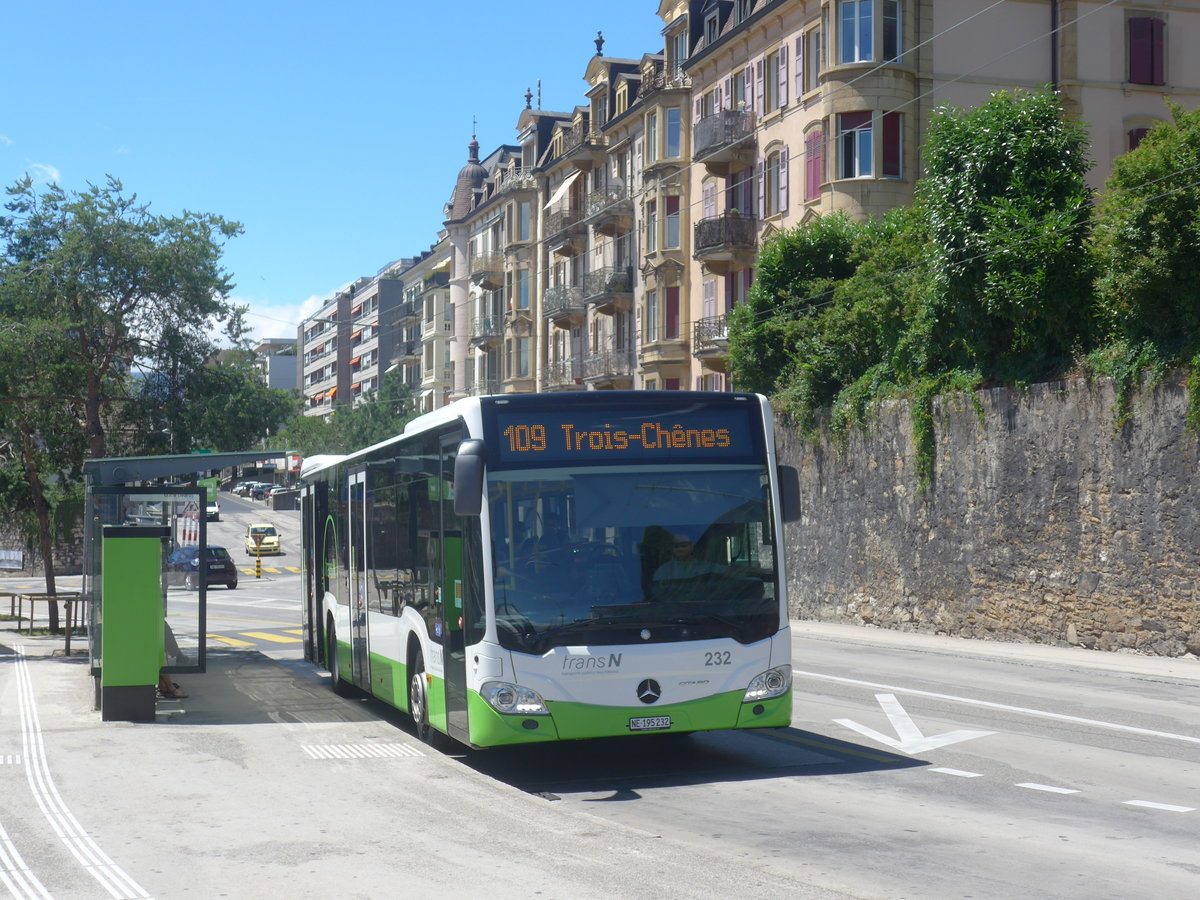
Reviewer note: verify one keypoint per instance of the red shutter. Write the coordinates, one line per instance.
(814, 164)
(1135, 137)
(1146, 50)
(892, 144)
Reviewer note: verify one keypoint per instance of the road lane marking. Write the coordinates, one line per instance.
(275, 638)
(232, 642)
(956, 772)
(1163, 806)
(15, 874)
(299, 631)
(10, 759)
(1048, 788)
(909, 738)
(987, 704)
(85, 850)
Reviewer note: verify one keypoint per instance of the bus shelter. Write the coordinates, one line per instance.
(143, 497)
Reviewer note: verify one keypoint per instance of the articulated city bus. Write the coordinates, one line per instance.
(540, 567)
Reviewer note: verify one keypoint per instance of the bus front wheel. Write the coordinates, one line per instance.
(418, 699)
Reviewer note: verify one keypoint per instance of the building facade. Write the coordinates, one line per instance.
(605, 248)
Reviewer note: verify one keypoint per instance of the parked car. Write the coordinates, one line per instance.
(212, 512)
(270, 540)
(259, 491)
(242, 488)
(183, 567)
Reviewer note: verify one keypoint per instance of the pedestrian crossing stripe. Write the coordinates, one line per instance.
(270, 570)
(299, 631)
(275, 638)
(10, 759)
(360, 751)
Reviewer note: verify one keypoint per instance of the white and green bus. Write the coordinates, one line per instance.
(541, 567)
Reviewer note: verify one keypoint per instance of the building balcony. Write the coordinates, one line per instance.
(434, 281)
(561, 375)
(710, 337)
(410, 349)
(723, 138)
(609, 289)
(486, 331)
(487, 270)
(409, 309)
(563, 305)
(610, 211)
(725, 239)
(583, 146)
(565, 232)
(664, 80)
(484, 387)
(664, 352)
(514, 180)
(609, 368)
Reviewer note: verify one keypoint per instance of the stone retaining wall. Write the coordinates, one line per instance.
(1042, 523)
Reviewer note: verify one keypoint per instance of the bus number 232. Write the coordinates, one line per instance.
(718, 658)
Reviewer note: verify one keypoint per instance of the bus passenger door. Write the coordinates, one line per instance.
(453, 605)
(360, 669)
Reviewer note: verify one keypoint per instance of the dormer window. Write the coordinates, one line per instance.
(712, 30)
(743, 10)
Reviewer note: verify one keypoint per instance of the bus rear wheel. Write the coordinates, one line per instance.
(418, 699)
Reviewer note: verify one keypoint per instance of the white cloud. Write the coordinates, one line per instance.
(44, 174)
(275, 320)
(5, 140)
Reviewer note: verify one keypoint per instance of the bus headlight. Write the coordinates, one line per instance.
(771, 683)
(512, 699)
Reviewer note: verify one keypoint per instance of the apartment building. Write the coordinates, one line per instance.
(277, 361)
(606, 247)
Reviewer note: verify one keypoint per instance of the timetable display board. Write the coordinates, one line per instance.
(585, 435)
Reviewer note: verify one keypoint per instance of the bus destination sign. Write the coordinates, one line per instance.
(610, 436)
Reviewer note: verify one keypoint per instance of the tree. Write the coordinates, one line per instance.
(1008, 212)
(795, 273)
(131, 285)
(1146, 237)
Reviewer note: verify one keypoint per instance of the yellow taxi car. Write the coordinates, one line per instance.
(269, 536)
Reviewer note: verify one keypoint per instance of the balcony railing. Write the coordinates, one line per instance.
(488, 269)
(726, 232)
(711, 333)
(485, 329)
(724, 127)
(515, 180)
(581, 135)
(435, 281)
(559, 373)
(663, 80)
(485, 387)
(567, 220)
(611, 363)
(606, 198)
(562, 300)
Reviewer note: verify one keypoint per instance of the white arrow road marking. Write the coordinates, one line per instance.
(908, 736)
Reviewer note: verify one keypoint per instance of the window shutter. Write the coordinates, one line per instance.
(1135, 137)
(748, 88)
(699, 110)
(783, 75)
(728, 94)
(710, 200)
(798, 67)
(718, 103)
(762, 200)
(730, 290)
(783, 179)
(1146, 50)
(710, 298)
(814, 164)
(892, 144)
(758, 89)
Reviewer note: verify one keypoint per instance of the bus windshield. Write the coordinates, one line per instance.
(631, 554)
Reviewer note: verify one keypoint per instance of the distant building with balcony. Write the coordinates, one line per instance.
(276, 359)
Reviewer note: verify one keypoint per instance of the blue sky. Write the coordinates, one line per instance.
(332, 132)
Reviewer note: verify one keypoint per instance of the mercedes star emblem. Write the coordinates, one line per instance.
(649, 691)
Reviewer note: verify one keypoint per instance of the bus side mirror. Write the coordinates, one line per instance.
(468, 477)
(789, 493)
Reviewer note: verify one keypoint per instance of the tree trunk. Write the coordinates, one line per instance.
(42, 510)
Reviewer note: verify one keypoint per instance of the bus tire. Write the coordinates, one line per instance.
(339, 685)
(418, 699)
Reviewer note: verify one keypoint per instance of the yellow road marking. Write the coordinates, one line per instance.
(299, 631)
(276, 638)
(232, 642)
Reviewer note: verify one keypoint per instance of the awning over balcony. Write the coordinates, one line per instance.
(332, 393)
(561, 190)
(356, 361)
